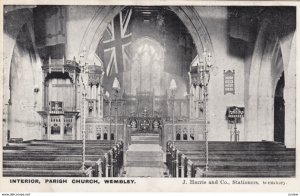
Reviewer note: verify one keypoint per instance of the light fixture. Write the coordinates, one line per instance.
(107, 94)
(116, 87)
(173, 85)
(116, 84)
(200, 76)
(146, 12)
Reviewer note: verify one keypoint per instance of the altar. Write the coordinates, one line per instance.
(145, 124)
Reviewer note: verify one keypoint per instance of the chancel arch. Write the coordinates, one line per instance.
(105, 14)
(151, 70)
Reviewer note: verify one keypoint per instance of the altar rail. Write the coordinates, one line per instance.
(183, 131)
(104, 131)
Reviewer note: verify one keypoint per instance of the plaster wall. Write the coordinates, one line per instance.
(215, 20)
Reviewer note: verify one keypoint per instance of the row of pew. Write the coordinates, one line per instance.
(63, 158)
(230, 159)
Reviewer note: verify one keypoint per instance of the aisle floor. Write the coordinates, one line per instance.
(144, 172)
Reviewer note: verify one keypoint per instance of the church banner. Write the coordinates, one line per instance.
(50, 26)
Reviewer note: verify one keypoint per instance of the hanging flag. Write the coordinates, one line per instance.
(50, 24)
(114, 48)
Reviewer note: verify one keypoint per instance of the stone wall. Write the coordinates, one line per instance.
(23, 76)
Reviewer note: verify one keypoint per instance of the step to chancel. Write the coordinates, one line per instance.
(144, 157)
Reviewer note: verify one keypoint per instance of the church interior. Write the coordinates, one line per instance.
(149, 91)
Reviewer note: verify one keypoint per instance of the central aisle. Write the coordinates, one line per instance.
(144, 157)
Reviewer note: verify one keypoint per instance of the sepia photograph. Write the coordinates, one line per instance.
(129, 92)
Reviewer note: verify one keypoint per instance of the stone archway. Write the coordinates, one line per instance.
(9, 41)
(271, 68)
(19, 19)
(266, 68)
(105, 14)
(23, 24)
(23, 120)
(289, 93)
(279, 111)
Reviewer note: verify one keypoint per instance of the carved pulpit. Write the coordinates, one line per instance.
(60, 99)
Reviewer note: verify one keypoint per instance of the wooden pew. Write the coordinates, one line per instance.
(16, 172)
(50, 168)
(178, 164)
(230, 159)
(58, 156)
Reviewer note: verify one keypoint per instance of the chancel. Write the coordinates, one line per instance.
(149, 91)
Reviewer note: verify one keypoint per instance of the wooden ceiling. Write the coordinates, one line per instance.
(148, 12)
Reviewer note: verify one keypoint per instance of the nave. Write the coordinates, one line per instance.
(145, 158)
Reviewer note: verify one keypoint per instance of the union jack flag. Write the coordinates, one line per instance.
(114, 47)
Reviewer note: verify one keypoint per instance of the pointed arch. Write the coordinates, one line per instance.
(267, 65)
(187, 14)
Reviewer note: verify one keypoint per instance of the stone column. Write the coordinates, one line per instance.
(265, 118)
(193, 102)
(290, 117)
(290, 97)
(100, 99)
(5, 124)
(197, 102)
(94, 108)
(251, 104)
(62, 127)
(73, 127)
(189, 106)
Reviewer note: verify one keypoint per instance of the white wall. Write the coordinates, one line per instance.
(288, 47)
(215, 20)
(25, 75)
(78, 19)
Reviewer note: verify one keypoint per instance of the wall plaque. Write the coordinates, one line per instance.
(229, 82)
